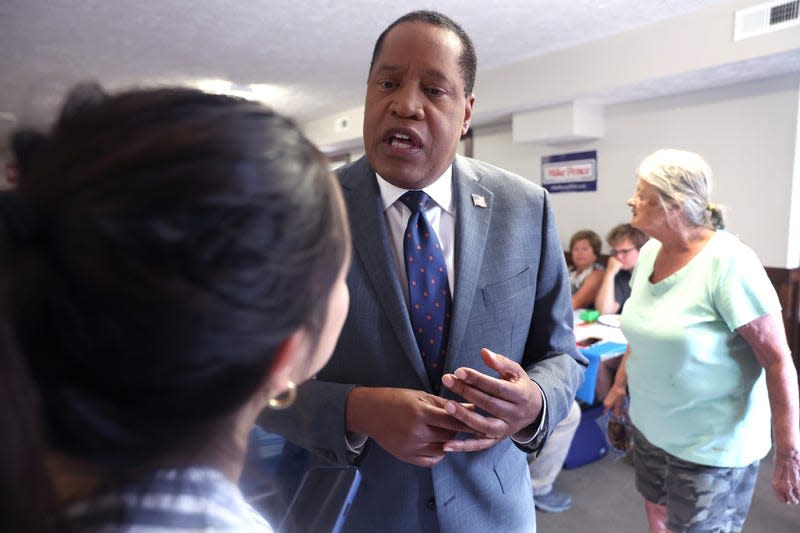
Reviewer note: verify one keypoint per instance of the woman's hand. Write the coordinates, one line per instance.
(615, 400)
(786, 480)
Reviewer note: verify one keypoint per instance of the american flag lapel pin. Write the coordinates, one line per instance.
(478, 200)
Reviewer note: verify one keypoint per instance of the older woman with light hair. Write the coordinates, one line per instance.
(708, 364)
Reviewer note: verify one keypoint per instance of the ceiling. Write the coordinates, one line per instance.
(316, 52)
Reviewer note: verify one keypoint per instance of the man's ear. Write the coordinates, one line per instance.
(467, 114)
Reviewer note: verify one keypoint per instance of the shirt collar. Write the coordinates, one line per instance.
(440, 190)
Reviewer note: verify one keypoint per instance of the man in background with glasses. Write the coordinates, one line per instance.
(625, 242)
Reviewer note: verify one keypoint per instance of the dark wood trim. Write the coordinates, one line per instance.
(787, 283)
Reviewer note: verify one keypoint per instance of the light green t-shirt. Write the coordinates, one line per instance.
(697, 390)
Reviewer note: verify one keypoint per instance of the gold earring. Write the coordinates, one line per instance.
(284, 399)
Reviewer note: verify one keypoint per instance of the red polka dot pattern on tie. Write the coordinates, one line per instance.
(429, 292)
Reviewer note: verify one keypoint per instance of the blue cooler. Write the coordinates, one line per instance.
(589, 443)
(595, 354)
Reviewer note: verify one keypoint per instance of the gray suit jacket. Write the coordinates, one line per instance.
(511, 294)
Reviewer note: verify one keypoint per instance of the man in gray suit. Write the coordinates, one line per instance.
(454, 460)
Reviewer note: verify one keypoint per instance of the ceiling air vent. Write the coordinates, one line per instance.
(765, 18)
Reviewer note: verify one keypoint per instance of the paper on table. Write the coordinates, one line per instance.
(609, 320)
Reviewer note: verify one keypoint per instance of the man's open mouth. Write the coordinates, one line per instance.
(402, 141)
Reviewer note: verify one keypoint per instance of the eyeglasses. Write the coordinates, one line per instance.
(622, 251)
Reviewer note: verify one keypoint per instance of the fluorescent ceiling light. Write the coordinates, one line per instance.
(263, 92)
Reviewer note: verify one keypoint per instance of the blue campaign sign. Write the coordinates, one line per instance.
(570, 172)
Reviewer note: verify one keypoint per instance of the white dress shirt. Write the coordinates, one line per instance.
(441, 215)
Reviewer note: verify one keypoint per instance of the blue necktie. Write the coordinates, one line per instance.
(428, 290)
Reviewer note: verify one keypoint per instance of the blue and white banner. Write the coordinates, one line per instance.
(570, 172)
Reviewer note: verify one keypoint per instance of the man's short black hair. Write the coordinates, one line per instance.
(468, 60)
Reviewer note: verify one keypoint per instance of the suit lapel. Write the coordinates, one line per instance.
(472, 228)
(370, 243)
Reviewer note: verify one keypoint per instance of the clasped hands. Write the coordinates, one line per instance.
(420, 428)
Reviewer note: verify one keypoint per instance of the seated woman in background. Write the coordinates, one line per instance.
(585, 274)
(173, 262)
(625, 242)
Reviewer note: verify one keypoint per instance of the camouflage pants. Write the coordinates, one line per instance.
(698, 498)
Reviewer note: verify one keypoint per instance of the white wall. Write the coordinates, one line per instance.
(747, 133)
(793, 251)
(676, 50)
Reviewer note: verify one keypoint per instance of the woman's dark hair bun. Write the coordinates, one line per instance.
(28, 146)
